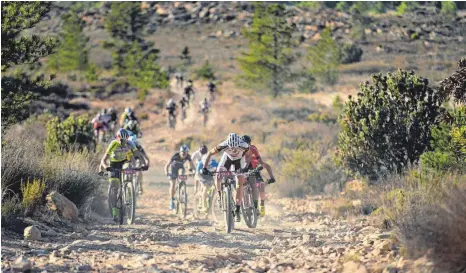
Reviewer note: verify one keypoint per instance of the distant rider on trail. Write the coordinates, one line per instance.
(171, 109)
(173, 167)
(189, 90)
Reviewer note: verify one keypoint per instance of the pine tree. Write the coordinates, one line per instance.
(324, 58)
(72, 53)
(270, 42)
(143, 71)
(18, 91)
(126, 21)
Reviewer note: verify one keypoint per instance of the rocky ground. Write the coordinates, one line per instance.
(159, 241)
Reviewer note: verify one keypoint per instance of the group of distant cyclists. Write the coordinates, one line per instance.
(184, 102)
(239, 155)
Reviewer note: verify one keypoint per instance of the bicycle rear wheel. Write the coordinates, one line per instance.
(130, 202)
(120, 206)
(109, 197)
(248, 209)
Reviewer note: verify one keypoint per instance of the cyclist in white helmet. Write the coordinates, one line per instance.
(234, 151)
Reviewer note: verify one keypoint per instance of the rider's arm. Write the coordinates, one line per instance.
(212, 152)
(266, 166)
(103, 162)
(168, 165)
(137, 153)
(191, 165)
(143, 152)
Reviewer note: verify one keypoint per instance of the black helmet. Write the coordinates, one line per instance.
(246, 139)
(203, 149)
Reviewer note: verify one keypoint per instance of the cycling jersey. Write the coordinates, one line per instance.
(177, 161)
(234, 153)
(120, 153)
(188, 90)
(255, 156)
(196, 157)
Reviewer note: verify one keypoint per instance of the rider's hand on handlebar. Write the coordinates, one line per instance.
(271, 181)
(204, 171)
(108, 169)
(145, 168)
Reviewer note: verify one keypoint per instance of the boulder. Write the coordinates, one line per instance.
(353, 267)
(61, 204)
(32, 233)
(21, 264)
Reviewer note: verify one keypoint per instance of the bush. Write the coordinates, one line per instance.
(32, 193)
(74, 133)
(350, 53)
(206, 72)
(448, 9)
(407, 6)
(29, 172)
(429, 215)
(310, 5)
(389, 125)
(343, 6)
(91, 75)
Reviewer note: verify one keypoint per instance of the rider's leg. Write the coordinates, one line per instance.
(140, 181)
(255, 191)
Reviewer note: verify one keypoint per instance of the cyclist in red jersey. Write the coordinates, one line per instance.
(255, 160)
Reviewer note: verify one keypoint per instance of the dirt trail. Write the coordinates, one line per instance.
(160, 241)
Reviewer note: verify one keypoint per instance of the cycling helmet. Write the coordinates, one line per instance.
(246, 139)
(184, 148)
(233, 140)
(128, 110)
(203, 149)
(122, 134)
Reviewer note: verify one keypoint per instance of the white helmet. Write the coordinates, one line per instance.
(128, 110)
(233, 140)
(184, 149)
(170, 101)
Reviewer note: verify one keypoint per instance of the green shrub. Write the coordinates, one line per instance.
(389, 125)
(310, 5)
(74, 133)
(407, 6)
(307, 83)
(414, 36)
(350, 53)
(206, 71)
(448, 9)
(91, 74)
(343, 6)
(32, 193)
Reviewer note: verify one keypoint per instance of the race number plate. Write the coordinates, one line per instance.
(182, 177)
(222, 175)
(129, 171)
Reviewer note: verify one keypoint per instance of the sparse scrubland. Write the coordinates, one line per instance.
(357, 104)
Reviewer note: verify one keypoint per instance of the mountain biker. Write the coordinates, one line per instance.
(179, 79)
(125, 116)
(133, 126)
(174, 165)
(119, 152)
(205, 180)
(189, 90)
(183, 104)
(255, 160)
(171, 109)
(133, 138)
(99, 123)
(234, 152)
(196, 157)
(211, 87)
(204, 106)
(113, 118)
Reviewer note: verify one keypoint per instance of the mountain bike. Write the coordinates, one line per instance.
(249, 211)
(126, 198)
(171, 121)
(227, 202)
(181, 196)
(183, 114)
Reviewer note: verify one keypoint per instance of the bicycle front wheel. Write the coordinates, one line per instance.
(183, 197)
(130, 203)
(227, 209)
(248, 209)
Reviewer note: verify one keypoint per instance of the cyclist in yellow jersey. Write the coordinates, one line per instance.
(119, 152)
